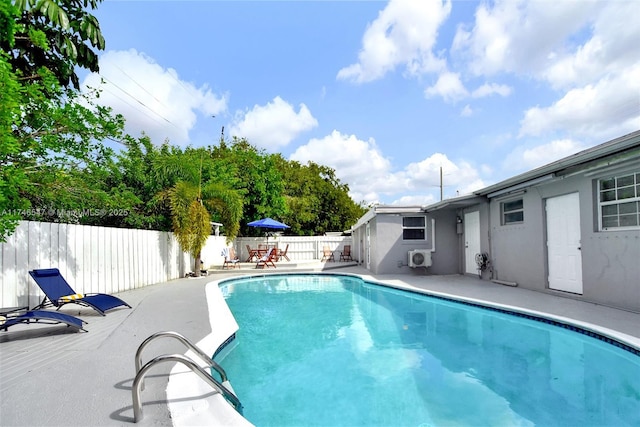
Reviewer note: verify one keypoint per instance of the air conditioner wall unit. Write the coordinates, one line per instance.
(419, 258)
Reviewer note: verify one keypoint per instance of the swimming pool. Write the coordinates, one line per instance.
(335, 350)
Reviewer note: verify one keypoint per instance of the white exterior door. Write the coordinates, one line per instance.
(563, 243)
(471, 241)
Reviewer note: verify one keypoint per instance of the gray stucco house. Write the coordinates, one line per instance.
(571, 227)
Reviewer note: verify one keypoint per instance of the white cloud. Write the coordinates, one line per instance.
(369, 174)
(404, 33)
(608, 108)
(584, 50)
(467, 111)
(519, 35)
(489, 89)
(356, 162)
(152, 99)
(486, 170)
(523, 158)
(457, 178)
(415, 200)
(274, 125)
(449, 87)
(611, 48)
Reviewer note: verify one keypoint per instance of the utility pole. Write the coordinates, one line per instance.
(441, 184)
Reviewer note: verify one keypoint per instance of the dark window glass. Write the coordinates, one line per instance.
(626, 193)
(512, 206)
(512, 211)
(619, 202)
(626, 208)
(607, 184)
(513, 217)
(413, 221)
(628, 220)
(625, 180)
(610, 221)
(413, 234)
(414, 227)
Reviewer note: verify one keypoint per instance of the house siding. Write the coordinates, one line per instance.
(610, 259)
(388, 243)
(373, 247)
(389, 252)
(518, 251)
(614, 275)
(446, 257)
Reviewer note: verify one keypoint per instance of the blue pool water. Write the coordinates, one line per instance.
(330, 350)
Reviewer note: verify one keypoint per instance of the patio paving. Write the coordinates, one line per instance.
(50, 376)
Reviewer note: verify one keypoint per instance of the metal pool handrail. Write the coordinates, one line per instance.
(137, 382)
(171, 334)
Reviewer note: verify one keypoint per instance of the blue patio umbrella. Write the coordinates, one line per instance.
(268, 223)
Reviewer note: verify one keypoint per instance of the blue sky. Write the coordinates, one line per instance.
(386, 93)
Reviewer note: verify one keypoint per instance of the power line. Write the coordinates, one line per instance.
(138, 101)
(108, 89)
(139, 85)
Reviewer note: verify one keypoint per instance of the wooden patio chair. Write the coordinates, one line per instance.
(345, 255)
(283, 254)
(230, 258)
(327, 254)
(267, 259)
(253, 253)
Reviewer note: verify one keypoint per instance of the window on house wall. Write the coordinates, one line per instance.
(512, 211)
(414, 228)
(619, 201)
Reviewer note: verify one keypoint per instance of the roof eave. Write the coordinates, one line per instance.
(608, 148)
(455, 203)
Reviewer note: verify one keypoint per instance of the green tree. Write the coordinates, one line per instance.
(190, 219)
(51, 135)
(11, 177)
(317, 202)
(254, 173)
(58, 35)
(136, 172)
(49, 148)
(194, 196)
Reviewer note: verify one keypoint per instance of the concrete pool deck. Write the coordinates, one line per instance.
(50, 376)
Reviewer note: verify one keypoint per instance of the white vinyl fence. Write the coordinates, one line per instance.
(111, 260)
(92, 259)
(301, 248)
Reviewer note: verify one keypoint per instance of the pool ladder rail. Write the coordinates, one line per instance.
(223, 387)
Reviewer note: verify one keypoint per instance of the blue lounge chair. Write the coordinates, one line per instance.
(22, 315)
(58, 293)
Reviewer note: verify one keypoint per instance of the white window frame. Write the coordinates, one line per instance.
(504, 213)
(410, 227)
(633, 186)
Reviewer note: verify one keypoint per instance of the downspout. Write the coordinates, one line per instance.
(489, 235)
